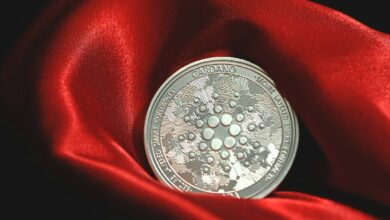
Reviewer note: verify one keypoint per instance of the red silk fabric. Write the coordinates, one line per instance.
(93, 68)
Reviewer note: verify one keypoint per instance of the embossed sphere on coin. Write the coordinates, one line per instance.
(219, 125)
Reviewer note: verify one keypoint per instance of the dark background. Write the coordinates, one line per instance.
(33, 186)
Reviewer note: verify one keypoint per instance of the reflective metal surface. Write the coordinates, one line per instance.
(219, 125)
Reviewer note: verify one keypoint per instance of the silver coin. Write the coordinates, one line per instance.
(219, 125)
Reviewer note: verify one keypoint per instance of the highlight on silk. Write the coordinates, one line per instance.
(197, 109)
(219, 125)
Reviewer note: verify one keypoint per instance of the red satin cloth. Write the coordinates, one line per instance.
(93, 68)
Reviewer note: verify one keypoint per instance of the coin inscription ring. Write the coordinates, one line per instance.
(220, 126)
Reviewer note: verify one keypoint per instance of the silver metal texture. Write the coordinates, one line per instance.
(220, 126)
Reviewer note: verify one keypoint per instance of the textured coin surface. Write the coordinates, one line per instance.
(219, 125)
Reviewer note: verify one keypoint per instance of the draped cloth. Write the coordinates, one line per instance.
(88, 71)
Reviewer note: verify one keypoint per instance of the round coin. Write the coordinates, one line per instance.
(220, 126)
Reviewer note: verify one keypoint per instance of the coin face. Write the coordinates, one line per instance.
(220, 126)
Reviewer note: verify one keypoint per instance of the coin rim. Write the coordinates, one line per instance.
(274, 183)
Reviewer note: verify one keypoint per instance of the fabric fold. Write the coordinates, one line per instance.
(93, 69)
